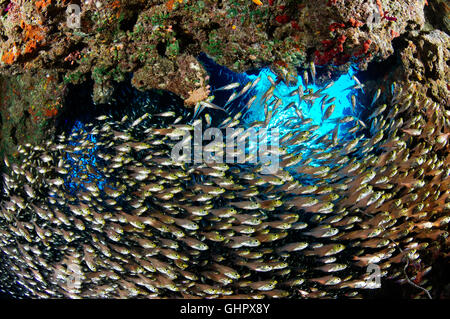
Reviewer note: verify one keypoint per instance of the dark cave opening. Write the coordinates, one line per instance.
(125, 98)
(79, 106)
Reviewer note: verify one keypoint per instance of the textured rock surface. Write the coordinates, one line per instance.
(158, 41)
(28, 106)
(361, 30)
(438, 14)
(425, 60)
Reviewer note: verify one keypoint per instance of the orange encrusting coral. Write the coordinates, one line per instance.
(116, 5)
(42, 4)
(30, 46)
(32, 36)
(9, 57)
(33, 33)
(355, 23)
(51, 112)
(169, 5)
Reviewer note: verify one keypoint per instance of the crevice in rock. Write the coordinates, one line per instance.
(212, 26)
(186, 40)
(79, 106)
(435, 14)
(378, 70)
(127, 24)
(13, 134)
(161, 48)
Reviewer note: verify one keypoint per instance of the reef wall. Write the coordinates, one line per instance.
(158, 41)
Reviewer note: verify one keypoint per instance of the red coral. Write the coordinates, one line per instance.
(295, 25)
(335, 26)
(364, 49)
(333, 50)
(322, 58)
(394, 34)
(282, 19)
(327, 43)
(367, 45)
(340, 42)
(51, 112)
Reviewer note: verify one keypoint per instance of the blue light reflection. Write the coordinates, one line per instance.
(341, 90)
(83, 162)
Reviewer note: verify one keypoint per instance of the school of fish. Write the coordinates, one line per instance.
(375, 194)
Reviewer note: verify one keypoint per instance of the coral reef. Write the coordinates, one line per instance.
(158, 41)
(157, 44)
(28, 106)
(425, 59)
(238, 34)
